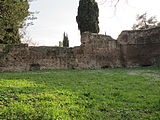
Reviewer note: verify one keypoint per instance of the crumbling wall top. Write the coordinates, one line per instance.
(88, 37)
(140, 36)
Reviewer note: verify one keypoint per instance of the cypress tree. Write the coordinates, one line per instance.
(65, 40)
(87, 18)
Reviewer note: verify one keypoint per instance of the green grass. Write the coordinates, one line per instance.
(111, 94)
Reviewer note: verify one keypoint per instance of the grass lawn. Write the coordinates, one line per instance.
(110, 94)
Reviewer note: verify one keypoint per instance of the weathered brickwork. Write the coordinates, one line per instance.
(140, 47)
(131, 49)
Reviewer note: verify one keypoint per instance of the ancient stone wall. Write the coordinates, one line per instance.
(131, 49)
(102, 50)
(140, 47)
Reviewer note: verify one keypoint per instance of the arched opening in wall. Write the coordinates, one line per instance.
(34, 67)
(54, 18)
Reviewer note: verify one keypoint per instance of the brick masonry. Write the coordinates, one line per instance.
(131, 49)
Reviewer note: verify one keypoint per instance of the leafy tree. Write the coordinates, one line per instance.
(87, 18)
(65, 40)
(28, 40)
(13, 13)
(144, 23)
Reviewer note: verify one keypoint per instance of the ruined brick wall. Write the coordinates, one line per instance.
(140, 47)
(98, 51)
(13, 57)
(131, 49)
(102, 50)
(24, 58)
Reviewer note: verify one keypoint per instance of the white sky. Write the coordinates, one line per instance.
(59, 16)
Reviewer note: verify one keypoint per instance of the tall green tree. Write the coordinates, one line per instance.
(87, 18)
(65, 40)
(13, 13)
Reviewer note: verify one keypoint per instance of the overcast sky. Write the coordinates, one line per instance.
(58, 16)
